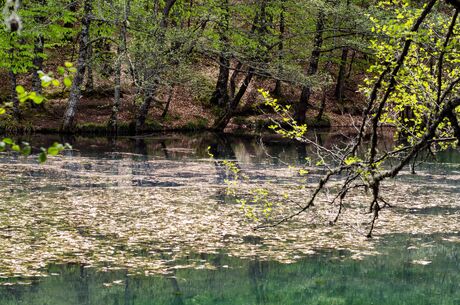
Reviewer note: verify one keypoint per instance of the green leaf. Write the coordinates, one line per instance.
(68, 64)
(61, 70)
(38, 99)
(67, 82)
(42, 157)
(53, 151)
(2, 110)
(20, 89)
(55, 83)
(16, 147)
(8, 141)
(26, 150)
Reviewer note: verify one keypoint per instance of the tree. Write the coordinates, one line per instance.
(413, 68)
(68, 123)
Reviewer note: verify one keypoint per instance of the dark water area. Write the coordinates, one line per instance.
(134, 221)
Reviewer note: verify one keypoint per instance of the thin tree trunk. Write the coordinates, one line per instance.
(301, 107)
(352, 61)
(38, 64)
(75, 90)
(322, 106)
(89, 86)
(278, 86)
(168, 103)
(121, 50)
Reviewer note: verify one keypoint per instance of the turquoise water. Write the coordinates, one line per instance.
(326, 278)
(82, 229)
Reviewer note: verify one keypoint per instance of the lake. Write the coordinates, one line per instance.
(153, 220)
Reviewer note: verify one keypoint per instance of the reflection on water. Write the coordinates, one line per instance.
(148, 205)
(411, 270)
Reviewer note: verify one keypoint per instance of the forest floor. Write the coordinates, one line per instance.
(189, 107)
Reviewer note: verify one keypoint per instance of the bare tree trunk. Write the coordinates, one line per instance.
(75, 90)
(121, 50)
(301, 107)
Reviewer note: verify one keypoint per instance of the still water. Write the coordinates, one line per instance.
(148, 221)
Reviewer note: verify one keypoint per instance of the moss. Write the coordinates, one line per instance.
(11, 126)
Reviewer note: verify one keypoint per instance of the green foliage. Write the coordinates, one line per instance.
(421, 88)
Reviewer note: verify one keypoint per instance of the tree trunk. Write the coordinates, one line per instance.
(89, 86)
(301, 107)
(14, 96)
(260, 26)
(168, 103)
(143, 111)
(339, 88)
(223, 121)
(322, 106)
(38, 64)
(278, 90)
(121, 50)
(220, 96)
(75, 90)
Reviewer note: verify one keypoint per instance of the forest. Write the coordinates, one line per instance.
(229, 152)
(130, 67)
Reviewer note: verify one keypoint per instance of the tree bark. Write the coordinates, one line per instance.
(121, 50)
(75, 90)
(301, 107)
(143, 111)
(340, 86)
(89, 86)
(278, 86)
(220, 97)
(223, 121)
(38, 64)
(14, 96)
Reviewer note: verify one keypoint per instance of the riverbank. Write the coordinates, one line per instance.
(185, 113)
